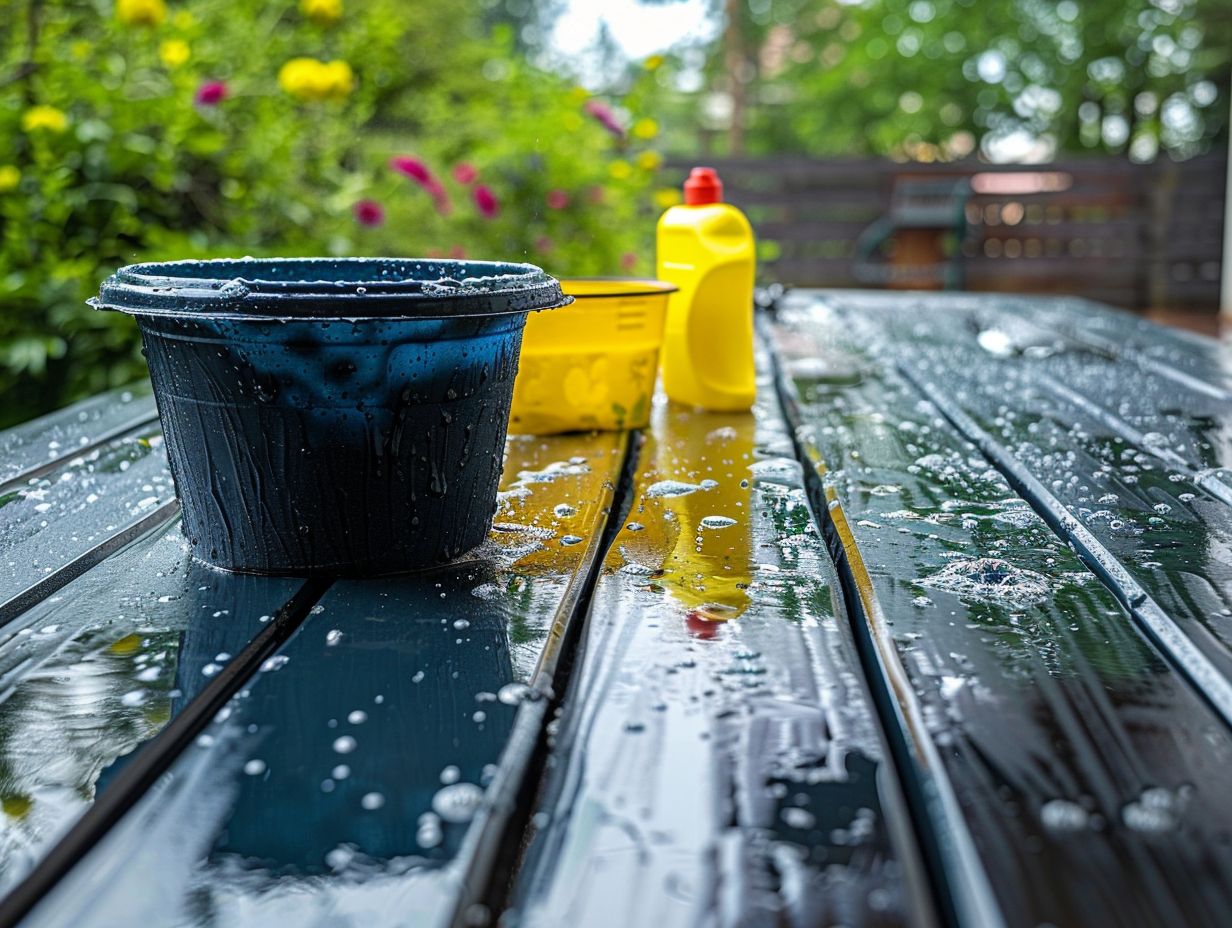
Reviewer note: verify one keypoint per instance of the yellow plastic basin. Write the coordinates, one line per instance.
(591, 365)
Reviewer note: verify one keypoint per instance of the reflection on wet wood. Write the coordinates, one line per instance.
(356, 756)
(719, 753)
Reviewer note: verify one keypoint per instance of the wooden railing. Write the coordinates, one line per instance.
(1133, 235)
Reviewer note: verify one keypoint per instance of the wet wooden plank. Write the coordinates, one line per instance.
(719, 760)
(346, 780)
(57, 524)
(30, 449)
(1087, 766)
(1140, 486)
(97, 670)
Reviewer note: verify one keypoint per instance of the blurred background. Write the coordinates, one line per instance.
(1020, 145)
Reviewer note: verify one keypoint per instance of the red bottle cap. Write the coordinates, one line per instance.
(702, 187)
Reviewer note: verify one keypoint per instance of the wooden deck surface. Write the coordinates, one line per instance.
(939, 633)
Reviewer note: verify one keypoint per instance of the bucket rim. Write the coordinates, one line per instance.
(320, 288)
(652, 287)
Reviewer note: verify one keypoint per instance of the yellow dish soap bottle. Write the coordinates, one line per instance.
(705, 248)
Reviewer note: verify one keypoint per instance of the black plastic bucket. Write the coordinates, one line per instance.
(339, 416)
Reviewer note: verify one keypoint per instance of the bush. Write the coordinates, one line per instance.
(148, 131)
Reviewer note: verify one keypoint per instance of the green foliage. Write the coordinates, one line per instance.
(928, 79)
(119, 153)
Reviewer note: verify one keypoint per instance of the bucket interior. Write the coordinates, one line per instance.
(410, 273)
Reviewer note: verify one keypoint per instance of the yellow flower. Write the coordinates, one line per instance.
(141, 12)
(649, 160)
(322, 12)
(174, 52)
(653, 63)
(619, 169)
(38, 118)
(667, 197)
(309, 79)
(298, 76)
(10, 177)
(645, 129)
(579, 95)
(339, 80)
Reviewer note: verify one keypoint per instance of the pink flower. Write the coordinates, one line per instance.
(369, 213)
(557, 199)
(457, 252)
(628, 261)
(210, 93)
(465, 173)
(605, 117)
(486, 202)
(434, 253)
(544, 245)
(413, 168)
(417, 171)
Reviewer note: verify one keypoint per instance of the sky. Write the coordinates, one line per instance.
(638, 28)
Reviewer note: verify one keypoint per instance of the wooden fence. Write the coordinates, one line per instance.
(1137, 236)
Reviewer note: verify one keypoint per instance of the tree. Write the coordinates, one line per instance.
(940, 78)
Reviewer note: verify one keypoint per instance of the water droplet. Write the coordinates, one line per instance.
(486, 591)
(795, 817)
(1155, 810)
(457, 802)
(991, 579)
(357, 717)
(668, 488)
(345, 745)
(1064, 815)
(717, 522)
(339, 857)
(429, 834)
(885, 489)
(511, 694)
(255, 767)
(372, 801)
(1018, 517)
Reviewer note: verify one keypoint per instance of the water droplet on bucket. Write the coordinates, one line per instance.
(457, 802)
(1064, 815)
